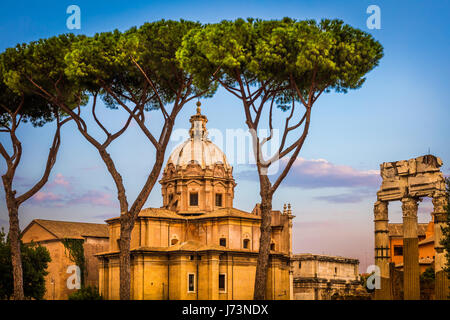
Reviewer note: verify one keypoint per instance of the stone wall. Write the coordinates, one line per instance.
(92, 246)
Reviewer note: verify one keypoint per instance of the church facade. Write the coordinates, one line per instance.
(197, 245)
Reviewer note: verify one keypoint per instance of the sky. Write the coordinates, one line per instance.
(401, 112)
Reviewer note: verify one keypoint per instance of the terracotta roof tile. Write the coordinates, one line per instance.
(421, 261)
(396, 229)
(427, 240)
(73, 230)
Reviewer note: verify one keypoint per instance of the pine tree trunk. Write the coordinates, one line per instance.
(126, 227)
(14, 237)
(264, 242)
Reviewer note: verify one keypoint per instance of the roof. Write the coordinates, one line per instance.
(219, 213)
(422, 261)
(159, 213)
(427, 240)
(396, 229)
(231, 212)
(72, 230)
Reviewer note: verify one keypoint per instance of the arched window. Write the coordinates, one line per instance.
(272, 246)
(246, 243)
(223, 242)
(174, 241)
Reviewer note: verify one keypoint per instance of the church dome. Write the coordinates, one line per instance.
(198, 149)
(197, 178)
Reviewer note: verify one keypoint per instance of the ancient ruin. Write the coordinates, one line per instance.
(409, 181)
(323, 277)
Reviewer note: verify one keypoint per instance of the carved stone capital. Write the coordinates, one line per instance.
(380, 210)
(440, 202)
(409, 207)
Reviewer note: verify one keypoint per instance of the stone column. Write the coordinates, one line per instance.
(440, 220)
(382, 249)
(411, 270)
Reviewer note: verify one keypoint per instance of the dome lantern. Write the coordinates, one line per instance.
(198, 125)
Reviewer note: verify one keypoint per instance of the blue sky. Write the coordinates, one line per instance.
(401, 112)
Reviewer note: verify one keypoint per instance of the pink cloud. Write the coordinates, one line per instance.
(94, 197)
(353, 196)
(60, 180)
(42, 196)
(320, 173)
(90, 197)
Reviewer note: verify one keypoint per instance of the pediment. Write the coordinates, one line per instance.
(194, 182)
(219, 170)
(193, 168)
(219, 183)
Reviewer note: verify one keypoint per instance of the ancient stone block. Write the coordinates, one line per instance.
(417, 177)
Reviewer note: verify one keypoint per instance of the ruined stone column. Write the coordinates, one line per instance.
(440, 219)
(411, 271)
(382, 249)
